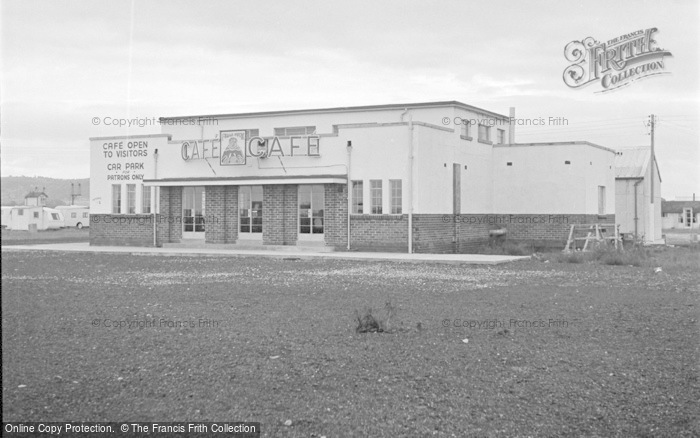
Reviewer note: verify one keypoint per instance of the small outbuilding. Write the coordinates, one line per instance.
(638, 194)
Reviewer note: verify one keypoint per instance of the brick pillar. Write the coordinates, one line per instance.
(336, 215)
(214, 214)
(273, 215)
(290, 213)
(230, 213)
(174, 213)
(163, 229)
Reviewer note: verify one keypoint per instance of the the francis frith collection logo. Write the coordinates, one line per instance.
(615, 63)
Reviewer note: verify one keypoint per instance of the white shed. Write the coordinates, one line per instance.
(637, 194)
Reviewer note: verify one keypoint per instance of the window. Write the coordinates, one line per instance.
(375, 192)
(36, 215)
(145, 199)
(20, 212)
(55, 216)
(295, 130)
(466, 128)
(689, 218)
(85, 215)
(501, 136)
(484, 133)
(131, 198)
(601, 199)
(395, 187)
(357, 197)
(116, 199)
(73, 215)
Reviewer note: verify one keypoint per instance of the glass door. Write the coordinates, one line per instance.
(311, 207)
(193, 213)
(250, 212)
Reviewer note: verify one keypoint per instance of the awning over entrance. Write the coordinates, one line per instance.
(247, 180)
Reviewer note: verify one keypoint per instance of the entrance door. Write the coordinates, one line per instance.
(311, 206)
(193, 213)
(250, 212)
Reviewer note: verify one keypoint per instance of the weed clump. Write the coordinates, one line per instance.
(369, 323)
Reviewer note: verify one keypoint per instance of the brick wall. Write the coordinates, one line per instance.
(121, 229)
(221, 214)
(467, 233)
(432, 233)
(230, 214)
(547, 231)
(447, 234)
(336, 215)
(170, 220)
(376, 232)
(280, 214)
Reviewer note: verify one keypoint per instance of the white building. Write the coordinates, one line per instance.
(680, 214)
(426, 177)
(637, 203)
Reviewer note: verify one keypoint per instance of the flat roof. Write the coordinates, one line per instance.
(342, 109)
(126, 137)
(556, 143)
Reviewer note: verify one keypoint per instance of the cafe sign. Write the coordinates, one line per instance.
(232, 148)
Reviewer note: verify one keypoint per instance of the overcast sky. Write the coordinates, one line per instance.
(67, 62)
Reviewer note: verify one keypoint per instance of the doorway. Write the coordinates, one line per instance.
(193, 213)
(311, 212)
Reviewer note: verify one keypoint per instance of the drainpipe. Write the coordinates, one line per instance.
(410, 178)
(636, 218)
(155, 201)
(349, 149)
(511, 127)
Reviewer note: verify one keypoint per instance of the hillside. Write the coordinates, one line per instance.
(14, 188)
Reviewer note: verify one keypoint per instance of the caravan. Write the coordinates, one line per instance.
(77, 216)
(24, 217)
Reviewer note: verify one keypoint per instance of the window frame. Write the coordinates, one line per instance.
(376, 198)
(146, 195)
(396, 191)
(131, 199)
(487, 132)
(501, 135)
(357, 196)
(116, 198)
(288, 131)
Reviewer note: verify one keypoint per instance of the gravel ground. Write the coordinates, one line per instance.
(563, 349)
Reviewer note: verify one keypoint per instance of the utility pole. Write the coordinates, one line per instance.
(73, 194)
(652, 120)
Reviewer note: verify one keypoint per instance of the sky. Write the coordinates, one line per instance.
(68, 63)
